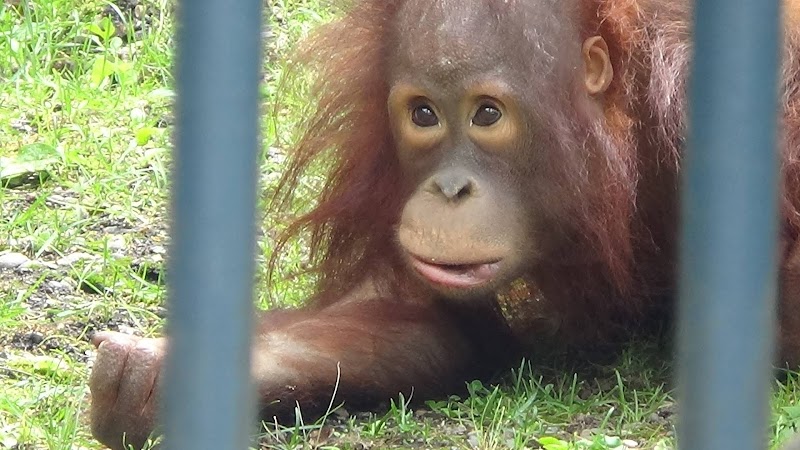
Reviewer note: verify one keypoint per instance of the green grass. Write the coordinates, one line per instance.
(85, 124)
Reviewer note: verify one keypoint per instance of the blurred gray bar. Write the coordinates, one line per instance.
(208, 402)
(730, 224)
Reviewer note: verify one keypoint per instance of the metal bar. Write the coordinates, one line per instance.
(208, 401)
(730, 224)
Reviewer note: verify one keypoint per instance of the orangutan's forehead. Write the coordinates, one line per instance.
(449, 35)
(465, 36)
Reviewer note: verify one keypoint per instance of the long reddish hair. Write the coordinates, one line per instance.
(351, 225)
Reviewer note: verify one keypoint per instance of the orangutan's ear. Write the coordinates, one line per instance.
(598, 72)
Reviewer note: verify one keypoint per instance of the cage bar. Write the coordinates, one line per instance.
(208, 397)
(729, 227)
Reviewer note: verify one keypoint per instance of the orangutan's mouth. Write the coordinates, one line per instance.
(459, 276)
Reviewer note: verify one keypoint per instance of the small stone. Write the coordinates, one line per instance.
(31, 264)
(630, 443)
(458, 429)
(71, 259)
(588, 433)
(22, 125)
(36, 302)
(34, 338)
(472, 439)
(12, 260)
(138, 115)
(48, 264)
(81, 212)
(116, 243)
(158, 250)
(57, 286)
(57, 199)
(320, 434)
(71, 299)
(793, 444)
(125, 329)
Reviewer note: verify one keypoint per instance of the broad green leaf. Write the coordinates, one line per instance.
(143, 135)
(102, 68)
(551, 443)
(792, 411)
(29, 166)
(38, 151)
(104, 29)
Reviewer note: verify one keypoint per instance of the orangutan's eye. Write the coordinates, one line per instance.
(486, 115)
(423, 116)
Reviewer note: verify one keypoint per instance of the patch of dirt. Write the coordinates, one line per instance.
(35, 340)
(134, 16)
(50, 285)
(430, 430)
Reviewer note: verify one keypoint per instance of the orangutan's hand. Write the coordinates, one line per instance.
(124, 385)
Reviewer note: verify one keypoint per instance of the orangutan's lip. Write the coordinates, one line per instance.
(459, 276)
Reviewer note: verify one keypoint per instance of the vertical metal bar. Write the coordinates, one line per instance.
(728, 273)
(208, 393)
